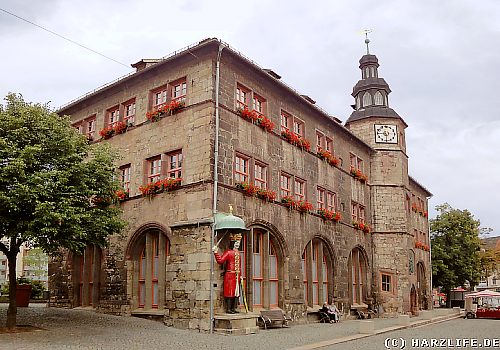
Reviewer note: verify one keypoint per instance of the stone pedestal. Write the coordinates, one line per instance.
(237, 324)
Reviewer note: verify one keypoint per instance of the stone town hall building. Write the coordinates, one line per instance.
(333, 213)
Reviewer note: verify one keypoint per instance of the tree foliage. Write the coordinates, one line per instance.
(455, 248)
(55, 189)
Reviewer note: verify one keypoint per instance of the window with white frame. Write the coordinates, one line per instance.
(125, 176)
(320, 196)
(160, 97)
(258, 103)
(300, 189)
(386, 282)
(174, 160)
(242, 94)
(113, 116)
(129, 112)
(179, 89)
(320, 141)
(154, 169)
(286, 120)
(241, 168)
(91, 123)
(329, 144)
(331, 199)
(356, 162)
(298, 127)
(260, 175)
(285, 185)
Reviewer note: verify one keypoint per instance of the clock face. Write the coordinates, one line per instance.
(385, 133)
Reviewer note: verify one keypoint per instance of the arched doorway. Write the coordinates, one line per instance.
(358, 268)
(86, 276)
(413, 300)
(421, 286)
(317, 272)
(262, 261)
(148, 253)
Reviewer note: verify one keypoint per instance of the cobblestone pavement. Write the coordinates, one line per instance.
(86, 329)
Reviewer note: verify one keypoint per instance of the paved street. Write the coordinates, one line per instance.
(452, 329)
(85, 329)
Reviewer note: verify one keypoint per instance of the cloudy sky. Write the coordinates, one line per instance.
(440, 58)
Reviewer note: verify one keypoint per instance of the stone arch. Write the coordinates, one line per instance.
(276, 234)
(146, 258)
(422, 288)
(132, 242)
(358, 268)
(265, 262)
(319, 268)
(86, 276)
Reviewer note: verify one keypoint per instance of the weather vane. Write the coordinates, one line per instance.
(367, 41)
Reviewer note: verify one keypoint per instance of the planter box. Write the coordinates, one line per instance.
(23, 294)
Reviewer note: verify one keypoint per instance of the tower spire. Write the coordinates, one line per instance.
(367, 41)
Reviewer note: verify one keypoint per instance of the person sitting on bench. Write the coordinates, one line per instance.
(332, 311)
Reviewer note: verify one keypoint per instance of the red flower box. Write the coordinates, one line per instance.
(268, 195)
(107, 132)
(329, 215)
(256, 118)
(359, 175)
(122, 195)
(160, 186)
(166, 109)
(296, 140)
(304, 206)
(248, 189)
(289, 201)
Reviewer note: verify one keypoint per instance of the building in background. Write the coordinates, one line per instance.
(332, 212)
(31, 263)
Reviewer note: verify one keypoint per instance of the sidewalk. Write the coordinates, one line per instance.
(86, 329)
(357, 329)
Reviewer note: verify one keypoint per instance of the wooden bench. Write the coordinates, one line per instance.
(323, 317)
(276, 317)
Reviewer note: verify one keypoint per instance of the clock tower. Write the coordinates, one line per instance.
(374, 122)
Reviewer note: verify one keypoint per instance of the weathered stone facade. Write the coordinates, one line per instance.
(160, 265)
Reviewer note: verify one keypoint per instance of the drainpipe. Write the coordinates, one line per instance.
(216, 182)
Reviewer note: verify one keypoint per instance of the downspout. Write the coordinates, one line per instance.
(216, 182)
(430, 289)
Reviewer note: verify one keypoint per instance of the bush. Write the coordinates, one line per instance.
(4, 289)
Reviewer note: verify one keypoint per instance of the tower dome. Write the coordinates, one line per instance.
(371, 93)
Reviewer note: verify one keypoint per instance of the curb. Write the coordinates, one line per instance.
(415, 324)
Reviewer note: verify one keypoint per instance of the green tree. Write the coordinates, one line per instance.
(455, 248)
(489, 261)
(56, 191)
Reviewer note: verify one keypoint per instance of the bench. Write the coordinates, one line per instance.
(270, 318)
(323, 317)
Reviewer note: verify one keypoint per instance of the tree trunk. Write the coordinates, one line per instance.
(12, 310)
(448, 299)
